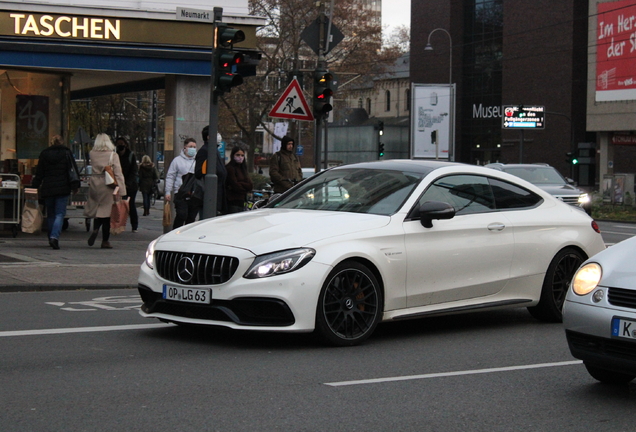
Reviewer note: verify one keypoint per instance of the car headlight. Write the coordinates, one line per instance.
(586, 279)
(279, 263)
(150, 254)
(584, 199)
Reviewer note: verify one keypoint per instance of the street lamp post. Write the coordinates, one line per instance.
(429, 47)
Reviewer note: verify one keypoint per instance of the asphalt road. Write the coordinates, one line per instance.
(614, 232)
(86, 361)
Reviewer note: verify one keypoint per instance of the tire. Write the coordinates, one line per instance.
(609, 377)
(350, 305)
(555, 285)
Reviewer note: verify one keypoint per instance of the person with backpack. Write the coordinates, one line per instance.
(284, 167)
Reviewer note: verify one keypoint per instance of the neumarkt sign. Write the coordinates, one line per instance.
(185, 14)
(114, 29)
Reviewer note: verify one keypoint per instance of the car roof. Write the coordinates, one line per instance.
(498, 165)
(414, 165)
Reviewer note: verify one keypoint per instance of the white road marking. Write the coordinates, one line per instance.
(82, 330)
(624, 226)
(617, 233)
(449, 374)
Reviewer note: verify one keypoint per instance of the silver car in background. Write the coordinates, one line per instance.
(599, 314)
(550, 180)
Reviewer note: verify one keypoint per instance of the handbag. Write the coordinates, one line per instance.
(119, 215)
(167, 214)
(191, 187)
(73, 175)
(109, 174)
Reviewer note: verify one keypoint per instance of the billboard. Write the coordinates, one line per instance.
(616, 51)
(433, 121)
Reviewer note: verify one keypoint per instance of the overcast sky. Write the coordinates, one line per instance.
(396, 13)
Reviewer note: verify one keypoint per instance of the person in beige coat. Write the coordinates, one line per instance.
(100, 196)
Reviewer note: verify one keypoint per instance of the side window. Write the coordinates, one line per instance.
(509, 196)
(467, 193)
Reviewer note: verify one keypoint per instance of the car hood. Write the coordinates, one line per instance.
(560, 189)
(269, 230)
(618, 264)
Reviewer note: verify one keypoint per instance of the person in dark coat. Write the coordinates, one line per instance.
(148, 178)
(128, 162)
(238, 182)
(54, 186)
(200, 171)
(284, 166)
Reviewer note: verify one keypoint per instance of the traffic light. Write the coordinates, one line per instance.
(572, 158)
(381, 128)
(322, 93)
(227, 61)
(380, 150)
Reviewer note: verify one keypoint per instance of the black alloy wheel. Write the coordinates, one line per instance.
(350, 305)
(556, 284)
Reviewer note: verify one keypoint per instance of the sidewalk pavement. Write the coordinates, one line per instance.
(28, 263)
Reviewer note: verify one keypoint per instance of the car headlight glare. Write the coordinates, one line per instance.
(150, 254)
(586, 279)
(584, 199)
(279, 263)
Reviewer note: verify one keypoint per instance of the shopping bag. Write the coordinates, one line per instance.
(167, 214)
(31, 215)
(119, 215)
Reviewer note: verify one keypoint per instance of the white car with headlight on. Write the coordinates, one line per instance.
(600, 314)
(371, 242)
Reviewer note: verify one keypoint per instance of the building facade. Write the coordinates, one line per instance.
(53, 53)
(507, 53)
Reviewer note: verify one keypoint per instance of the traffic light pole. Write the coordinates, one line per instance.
(211, 180)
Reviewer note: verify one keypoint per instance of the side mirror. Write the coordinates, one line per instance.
(431, 210)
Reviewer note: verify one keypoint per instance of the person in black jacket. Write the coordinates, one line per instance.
(200, 171)
(54, 186)
(128, 162)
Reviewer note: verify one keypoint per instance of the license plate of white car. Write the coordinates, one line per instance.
(623, 328)
(190, 295)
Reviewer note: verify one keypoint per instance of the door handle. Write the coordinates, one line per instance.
(496, 226)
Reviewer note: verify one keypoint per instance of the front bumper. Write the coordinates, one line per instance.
(284, 303)
(588, 329)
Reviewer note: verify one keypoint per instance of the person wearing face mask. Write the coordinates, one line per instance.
(185, 210)
(128, 162)
(237, 183)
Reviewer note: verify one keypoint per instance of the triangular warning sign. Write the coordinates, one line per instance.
(292, 104)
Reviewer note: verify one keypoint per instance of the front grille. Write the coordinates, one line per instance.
(622, 297)
(195, 269)
(570, 199)
(244, 311)
(593, 344)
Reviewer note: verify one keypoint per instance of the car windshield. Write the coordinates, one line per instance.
(354, 190)
(540, 175)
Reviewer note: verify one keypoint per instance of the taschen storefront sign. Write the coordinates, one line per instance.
(112, 29)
